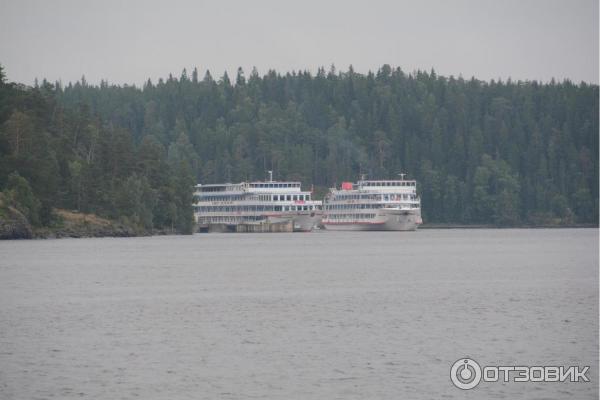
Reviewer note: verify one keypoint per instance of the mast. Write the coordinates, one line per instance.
(270, 176)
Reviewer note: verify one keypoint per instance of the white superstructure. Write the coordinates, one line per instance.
(232, 204)
(386, 205)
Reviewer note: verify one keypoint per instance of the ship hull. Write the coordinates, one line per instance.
(302, 222)
(306, 222)
(386, 220)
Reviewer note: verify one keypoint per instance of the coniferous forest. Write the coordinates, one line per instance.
(499, 152)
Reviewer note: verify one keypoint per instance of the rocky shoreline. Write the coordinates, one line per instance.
(68, 224)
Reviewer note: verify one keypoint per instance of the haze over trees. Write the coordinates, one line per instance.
(483, 152)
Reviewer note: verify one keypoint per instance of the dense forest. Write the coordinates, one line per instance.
(498, 152)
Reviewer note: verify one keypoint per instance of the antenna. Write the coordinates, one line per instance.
(270, 176)
(402, 175)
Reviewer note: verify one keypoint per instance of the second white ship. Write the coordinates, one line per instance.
(383, 205)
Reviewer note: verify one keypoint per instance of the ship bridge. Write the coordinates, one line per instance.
(384, 186)
(274, 186)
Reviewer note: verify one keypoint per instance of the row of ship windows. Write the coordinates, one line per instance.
(221, 188)
(260, 197)
(236, 219)
(349, 216)
(361, 206)
(290, 197)
(391, 183)
(253, 208)
(386, 197)
(274, 185)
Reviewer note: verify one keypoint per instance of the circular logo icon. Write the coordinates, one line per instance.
(465, 373)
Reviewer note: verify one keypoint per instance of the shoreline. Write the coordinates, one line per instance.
(491, 226)
(128, 233)
(72, 224)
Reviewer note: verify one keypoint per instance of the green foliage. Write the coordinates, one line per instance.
(495, 193)
(483, 152)
(19, 194)
(135, 199)
(73, 159)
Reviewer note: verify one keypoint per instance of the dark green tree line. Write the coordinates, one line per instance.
(55, 157)
(483, 152)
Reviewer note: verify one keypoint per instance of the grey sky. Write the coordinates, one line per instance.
(129, 41)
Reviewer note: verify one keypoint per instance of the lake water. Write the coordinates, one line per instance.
(322, 315)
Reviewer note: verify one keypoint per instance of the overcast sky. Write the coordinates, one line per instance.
(130, 41)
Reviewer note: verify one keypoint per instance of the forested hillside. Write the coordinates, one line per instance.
(52, 156)
(483, 152)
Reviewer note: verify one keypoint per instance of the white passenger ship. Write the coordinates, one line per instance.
(386, 205)
(231, 204)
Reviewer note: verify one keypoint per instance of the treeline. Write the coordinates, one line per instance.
(53, 156)
(483, 152)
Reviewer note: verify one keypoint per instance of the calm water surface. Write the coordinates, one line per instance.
(323, 315)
